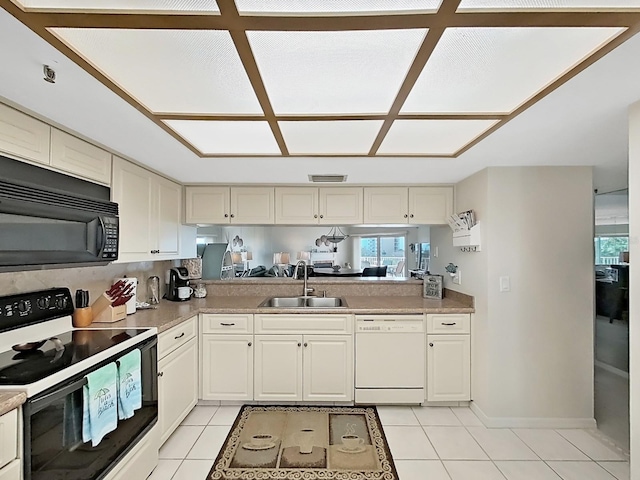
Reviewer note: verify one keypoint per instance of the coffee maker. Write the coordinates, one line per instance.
(177, 277)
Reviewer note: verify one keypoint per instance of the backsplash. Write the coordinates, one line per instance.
(94, 279)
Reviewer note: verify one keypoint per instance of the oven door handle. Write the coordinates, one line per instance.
(42, 402)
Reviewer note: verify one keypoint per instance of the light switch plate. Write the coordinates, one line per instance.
(505, 284)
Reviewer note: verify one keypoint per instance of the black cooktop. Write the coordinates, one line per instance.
(23, 368)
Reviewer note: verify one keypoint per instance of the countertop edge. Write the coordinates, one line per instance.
(11, 400)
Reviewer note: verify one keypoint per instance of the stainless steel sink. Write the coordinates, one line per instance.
(304, 302)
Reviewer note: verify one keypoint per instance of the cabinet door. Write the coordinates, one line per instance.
(328, 368)
(386, 204)
(24, 136)
(76, 156)
(341, 206)
(177, 387)
(11, 471)
(278, 367)
(8, 437)
(448, 368)
(227, 367)
(296, 205)
(207, 205)
(253, 205)
(430, 205)
(132, 189)
(168, 212)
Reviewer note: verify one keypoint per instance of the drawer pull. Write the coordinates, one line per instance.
(227, 324)
(431, 344)
(249, 344)
(448, 324)
(179, 336)
(160, 374)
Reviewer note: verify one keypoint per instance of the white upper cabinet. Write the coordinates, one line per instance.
(412, 205)
(207, 205)
(78, 157)
(252, 205)
(318, 206)
(430, 205)
(150, 208)
(24, 136)
(235, 205)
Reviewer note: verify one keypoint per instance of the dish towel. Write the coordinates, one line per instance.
(100, 404)
(129, 384)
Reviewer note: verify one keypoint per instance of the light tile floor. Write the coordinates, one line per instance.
(427, 443)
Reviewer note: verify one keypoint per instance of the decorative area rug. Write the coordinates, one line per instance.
(305, 442)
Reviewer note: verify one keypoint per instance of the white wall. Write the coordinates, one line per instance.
(532, 346)
(634, 286)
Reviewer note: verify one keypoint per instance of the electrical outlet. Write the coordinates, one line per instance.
(435, 252)
(457, 278)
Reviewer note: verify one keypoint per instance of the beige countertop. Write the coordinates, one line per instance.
(11, 400)
(169, 314)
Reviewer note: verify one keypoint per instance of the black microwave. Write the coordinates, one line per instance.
(50, 220)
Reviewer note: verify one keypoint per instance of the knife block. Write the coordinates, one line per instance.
(105, 313)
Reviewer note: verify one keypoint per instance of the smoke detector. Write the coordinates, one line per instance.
(327, 178)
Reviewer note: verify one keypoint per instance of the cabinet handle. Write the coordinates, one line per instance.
(321, 216)
(249, 344)
(305, 344)
(226, 215)
(232, 215)
(179, 336)
(431, 344)
(299, 344)
(411, 216)
(448, 324)
(315, 216)
(160, 374)
(227, 324)
(405, 215)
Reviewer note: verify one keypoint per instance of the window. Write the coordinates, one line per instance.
(379, 251)
(608, 249)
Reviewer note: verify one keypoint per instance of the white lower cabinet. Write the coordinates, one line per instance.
(226, 358)
(448, 358)
(278, 367)
(304, 367)
(11, 471)
(177, 377)
(227, 362)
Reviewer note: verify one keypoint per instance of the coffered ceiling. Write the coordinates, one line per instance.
(363, 78)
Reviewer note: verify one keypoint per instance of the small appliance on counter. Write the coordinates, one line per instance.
(178, 289)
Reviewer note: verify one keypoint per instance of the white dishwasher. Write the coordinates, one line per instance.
(390, 359)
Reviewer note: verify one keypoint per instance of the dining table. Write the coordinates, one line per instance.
(343, 272)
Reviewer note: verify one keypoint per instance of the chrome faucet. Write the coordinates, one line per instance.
(306, 291)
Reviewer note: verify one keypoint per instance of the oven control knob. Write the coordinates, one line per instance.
(44, 302)
(61, 303)
(23, 306)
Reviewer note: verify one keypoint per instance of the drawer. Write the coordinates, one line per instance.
(177, 336)
(448, 323)
(8, 437)
(212, 323)
(301, 324)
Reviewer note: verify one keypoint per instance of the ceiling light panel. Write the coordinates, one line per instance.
(227, 137)
(431, 137)
(334, 72)
(357, 7)
(348, 137)
(494, 70)
(524, 5)
(148, 6)
(184, 71)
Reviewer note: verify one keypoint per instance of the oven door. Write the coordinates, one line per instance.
(53, 447)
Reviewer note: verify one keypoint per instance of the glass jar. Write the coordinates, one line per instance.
(200, 291)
